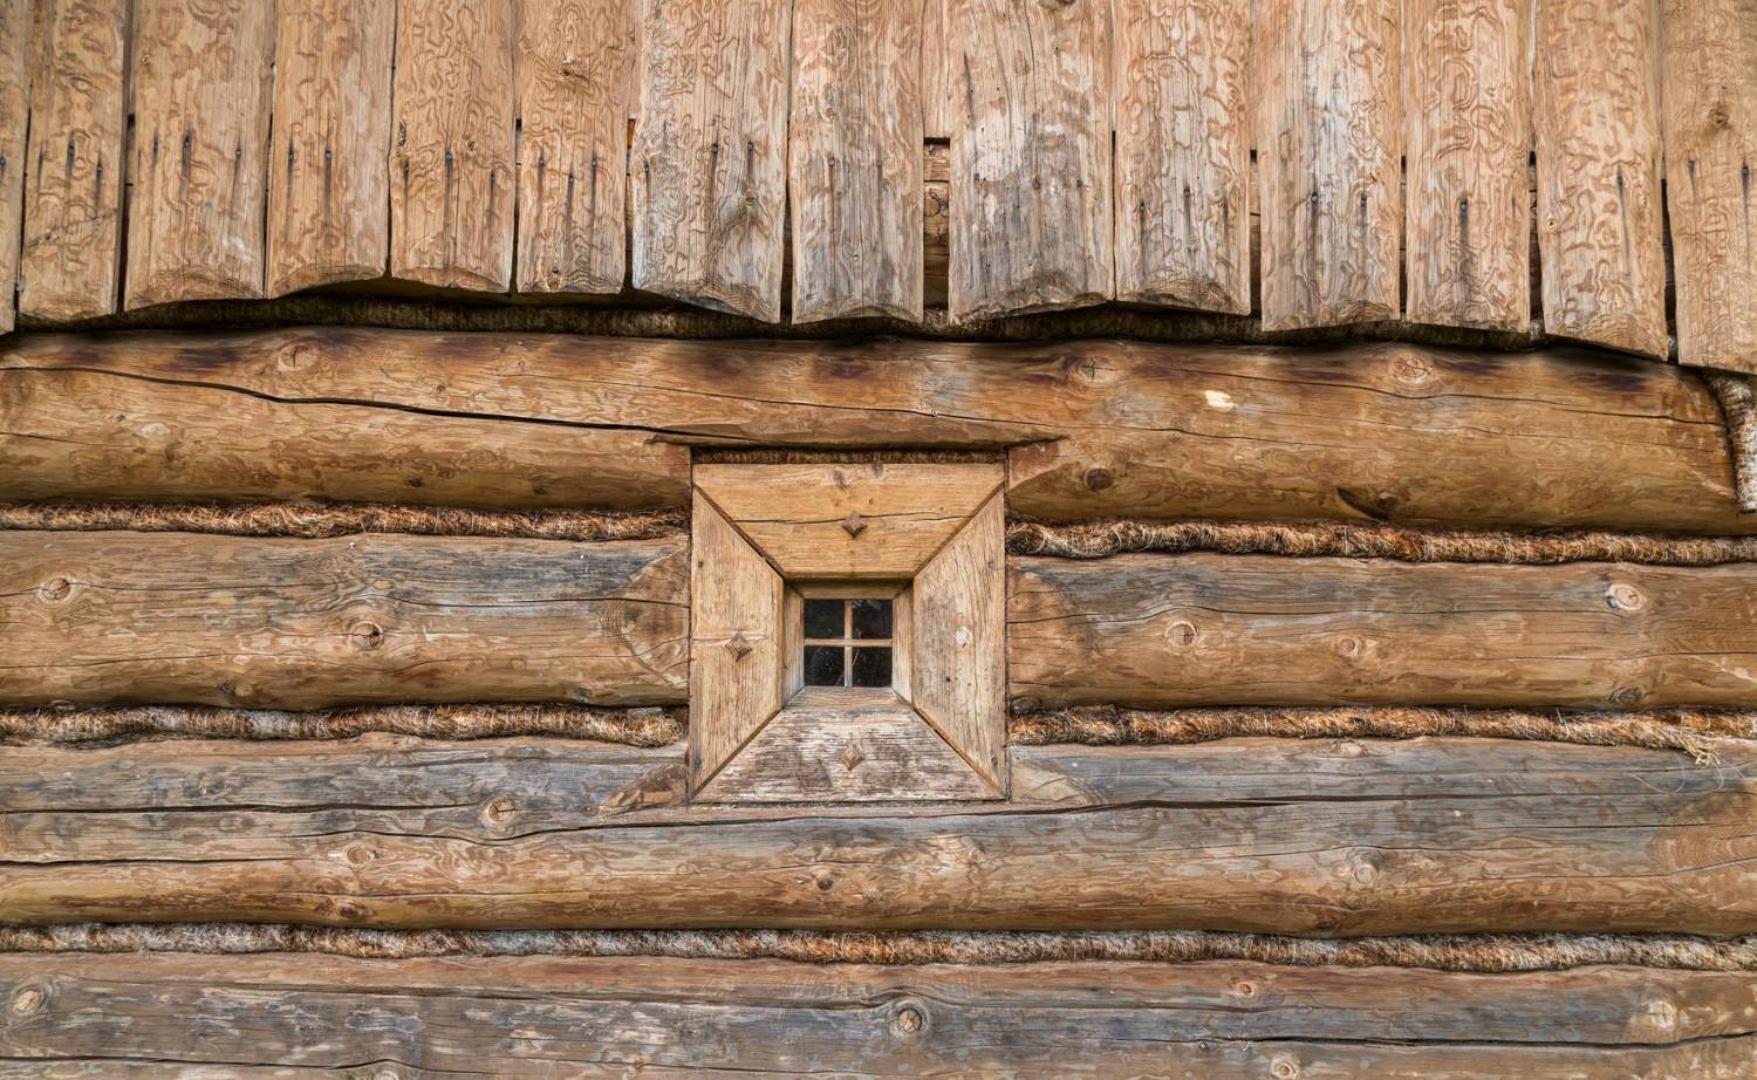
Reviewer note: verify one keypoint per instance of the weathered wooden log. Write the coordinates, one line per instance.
(1390, 432)
(545, 1016)
(1322, 836)
(1201, 629)
(95, 617)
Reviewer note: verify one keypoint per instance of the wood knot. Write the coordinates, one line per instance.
(55, 589)
(1411, 370)
(1097, 479)
(1622, 596)
(1182, 634)
(1627, 695)
(1284, 1068)
(909, 1020)
(739, 647)
(854, 525)
(367, 635)
(499, 812)
(1719, 116)
(26, 1000)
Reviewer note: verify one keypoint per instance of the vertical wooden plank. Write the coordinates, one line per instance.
(71, 264)
(15, 36)
(200, 79)
(1183, 153)
(936, 77)
(709, 167)
(855, 150)
(329, 170)
(1710, 97)
(1031, 210)
(451, 160)
(1329, 147)
(1598, 197)
(575, 77)
(1467, 114)
(959, 669)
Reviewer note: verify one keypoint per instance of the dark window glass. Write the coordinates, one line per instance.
(823, 665)
(872, 667)
(823, 619)
(872, 619)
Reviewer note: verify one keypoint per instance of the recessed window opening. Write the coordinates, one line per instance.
(848, 642)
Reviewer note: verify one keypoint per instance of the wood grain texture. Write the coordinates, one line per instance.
(542, 1016)
(1468, 137)
(880, 522)
(1329, 142)
(709, 165)
(855, 159)
(15, 39)
(328, 161)
(959, 667)
(1710, 97)
(1213, 629)
(99, 617)
(1031, 176)
(576, 85)
(738, 653)
(452, 175)
(1183, 153)
(1399, 433)
(1596, 98)
(936, 71)
(71, 263)
(201, 78)
(1340, 837)
(89, 435)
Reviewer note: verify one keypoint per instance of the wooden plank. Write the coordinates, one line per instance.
(1329, 144)
(1596, 96)
(329, 147)
(546, 1016)
(1467, 134)
(709, 165)
(1288, 836)
(72, 260)
(879, 522)
(1710, 97)
(1205, 629)
(201, 78)
(15, 39)
(855, 159)
(1031, 207)
(959, 660)
(98, 617)
(1183, 154)
(738, 652)
(1398, 433)
(576, 86)
(936, 73)
(452, 173)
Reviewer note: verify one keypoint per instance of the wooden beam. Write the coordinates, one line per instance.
(1202, 629)
(1309, 837)
(100, 617)
(540, 1015)
(15, 40)
(1399, 433)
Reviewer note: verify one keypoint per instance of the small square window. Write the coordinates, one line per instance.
(848, 642)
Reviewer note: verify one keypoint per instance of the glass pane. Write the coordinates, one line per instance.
(823, 619)
(872, 619)
(823, 665)
(872, 667)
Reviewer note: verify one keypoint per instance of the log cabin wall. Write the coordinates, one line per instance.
(1366, 383)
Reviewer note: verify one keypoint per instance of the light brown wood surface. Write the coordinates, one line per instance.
(1709, 74)
(94, 617)
(709, 164)
(70, 267)
(1031, 177)
(1400, 433)
(15, 39)
(452, 174)
(329, 153)
(855, 158)
(936, 73)
(1596, 97)
(543, 1016)
(201, 79)
(1285, 836)
(1183, 153)
(959, 666)
(1468, 138)
(1233, 630)
(1329, 143)
(576, 84)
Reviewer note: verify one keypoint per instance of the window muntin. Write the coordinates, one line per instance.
(848, 641)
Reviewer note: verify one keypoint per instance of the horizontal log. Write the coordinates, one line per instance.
(542, 1016)
(1306, 837)
(120, 617)
(1202, 629)
(1387, 432)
